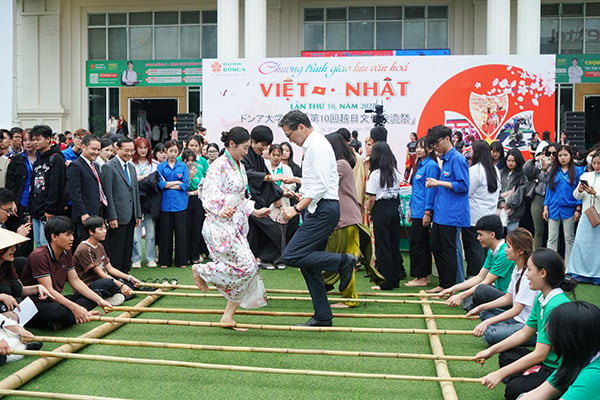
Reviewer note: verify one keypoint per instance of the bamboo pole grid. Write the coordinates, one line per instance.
(94, 336)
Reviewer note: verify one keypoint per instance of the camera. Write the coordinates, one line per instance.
(378, 118)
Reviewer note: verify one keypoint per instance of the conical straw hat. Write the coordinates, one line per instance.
(10, 238)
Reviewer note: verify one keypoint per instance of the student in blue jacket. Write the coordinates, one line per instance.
(451, 205)
(420, 201)
(560, 207)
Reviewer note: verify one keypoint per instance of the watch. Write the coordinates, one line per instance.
(296, 208)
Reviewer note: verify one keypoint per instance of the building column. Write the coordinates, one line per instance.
(228, 28)
(255, 29)
(528, 27)
(498, 27)
(7, 67)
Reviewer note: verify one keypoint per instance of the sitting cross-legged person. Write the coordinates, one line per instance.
(94, 268)
(52, 266)
(496, 270)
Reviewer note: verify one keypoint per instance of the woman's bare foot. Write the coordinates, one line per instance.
(201, 283)
(340, 305)
(418, 282)
(231, 324)
(376, 287)
(436, 289)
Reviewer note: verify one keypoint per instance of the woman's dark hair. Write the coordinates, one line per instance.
(573, 332)
(199, 139)
(497, 146)
(519, 160)
(104, 143)
(425, 143)
(274, 147)
(556, 166)
(458, 134)
(237, 135)
(481, 154)
(383, 159)
(521, 239)
(554, 265)
(341, 148)
(186, 154)
(159, 147)
(290, 161)
(212, 146)
(172, 143)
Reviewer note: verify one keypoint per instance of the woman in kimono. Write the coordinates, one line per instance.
(234, 270)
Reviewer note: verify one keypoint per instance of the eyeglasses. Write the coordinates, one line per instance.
(289, 134)
(8, 211)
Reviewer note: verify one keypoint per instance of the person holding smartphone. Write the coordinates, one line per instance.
(581, 265)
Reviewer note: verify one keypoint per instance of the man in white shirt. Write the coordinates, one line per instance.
(129, 76)
(319, 196)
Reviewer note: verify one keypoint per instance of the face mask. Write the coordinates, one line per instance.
(588, 159)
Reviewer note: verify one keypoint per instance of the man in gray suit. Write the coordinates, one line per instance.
(123, 211)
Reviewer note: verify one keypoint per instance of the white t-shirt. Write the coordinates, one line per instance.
(481, 201)
(380, 193)
(526, 296)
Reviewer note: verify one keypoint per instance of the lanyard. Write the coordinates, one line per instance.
(235, 164)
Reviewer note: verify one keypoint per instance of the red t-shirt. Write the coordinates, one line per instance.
(42, 262)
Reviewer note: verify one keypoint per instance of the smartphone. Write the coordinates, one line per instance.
(584, 182)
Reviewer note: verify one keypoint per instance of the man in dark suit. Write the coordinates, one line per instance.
(123, 211)
(84, 187)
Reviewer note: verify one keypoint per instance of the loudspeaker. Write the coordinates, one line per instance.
(186, 125)
(574, 127)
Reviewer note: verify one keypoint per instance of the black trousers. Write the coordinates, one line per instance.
(173, 222)
(119, 245)
(518, 383)
(195, 221)
(474, 253)
(386, 227)
(420, 249)
(443, 243)
(264, 237)
(52, 315)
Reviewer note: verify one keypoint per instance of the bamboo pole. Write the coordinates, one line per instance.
(35, 368)
(336, 299)
(290, 291)
(280, 327)
(441, 366)
(245, 349)
(285, 313)
(189, 364)
(48, 395)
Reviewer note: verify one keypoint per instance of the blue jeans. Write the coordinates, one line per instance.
(136, 256)
(38, 232)
(501, 330)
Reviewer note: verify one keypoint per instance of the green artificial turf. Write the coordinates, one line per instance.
(160, 382)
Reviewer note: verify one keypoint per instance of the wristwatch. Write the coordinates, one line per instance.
(296, 208)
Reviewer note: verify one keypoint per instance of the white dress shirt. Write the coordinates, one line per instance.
(319, 171)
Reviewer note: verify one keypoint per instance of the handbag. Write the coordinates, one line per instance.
(592, 214)
(530, 189)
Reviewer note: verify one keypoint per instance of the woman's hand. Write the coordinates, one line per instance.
(482, 356)
(491, 380)
(545, 213)
(227, 212)
(480, 329)
(261, 212)
(9, 301)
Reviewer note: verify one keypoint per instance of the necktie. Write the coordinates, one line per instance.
(102, 195)
(126, 170)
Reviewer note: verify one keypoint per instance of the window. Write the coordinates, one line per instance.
(375, 28)
(570, 28)
(152, 35)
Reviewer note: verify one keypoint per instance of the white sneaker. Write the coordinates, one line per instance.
(116, 299)
(151, 264)
(136, 265)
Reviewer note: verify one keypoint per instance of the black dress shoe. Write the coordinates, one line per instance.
(316, 322)
(33, 345)
(346, 271)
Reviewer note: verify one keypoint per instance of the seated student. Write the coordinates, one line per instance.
(496, 269)
(10, 338)
(94, 268)
(496, 323)
(573, 332)
(51, 266)
(546, 272)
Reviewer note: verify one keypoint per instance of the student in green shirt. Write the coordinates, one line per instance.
(573, 331)
(546, 272)
(496, 270)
